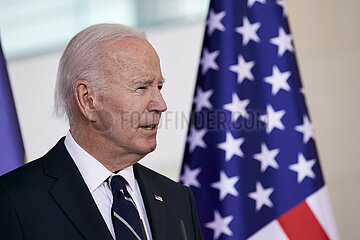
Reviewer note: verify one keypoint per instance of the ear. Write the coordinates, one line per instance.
(84, 97)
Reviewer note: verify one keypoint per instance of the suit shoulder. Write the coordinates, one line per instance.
(33, 173)
(157, 177)
(22, 182)
(27, 179)
(23, 173)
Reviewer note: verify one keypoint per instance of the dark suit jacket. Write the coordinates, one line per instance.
(47, 199)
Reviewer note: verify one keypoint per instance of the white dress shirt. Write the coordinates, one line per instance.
(95, 175)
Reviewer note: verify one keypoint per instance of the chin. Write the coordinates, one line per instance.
(144, 147)
(150, 147)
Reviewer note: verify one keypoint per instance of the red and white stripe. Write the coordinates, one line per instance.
(311, 219)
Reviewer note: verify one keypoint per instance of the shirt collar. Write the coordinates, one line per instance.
(93, 172)
(128, 174)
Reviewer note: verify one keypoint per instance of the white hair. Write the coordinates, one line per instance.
(84, 59)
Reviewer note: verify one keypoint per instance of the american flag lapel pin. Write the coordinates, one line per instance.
(159, 198)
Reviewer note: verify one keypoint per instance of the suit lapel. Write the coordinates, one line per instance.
(155, 208)
(72, 195)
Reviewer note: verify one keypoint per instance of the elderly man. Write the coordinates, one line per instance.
(90, 186)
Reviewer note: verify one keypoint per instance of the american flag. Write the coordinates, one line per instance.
(250, 157)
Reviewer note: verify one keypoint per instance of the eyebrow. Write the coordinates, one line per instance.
(148, 82)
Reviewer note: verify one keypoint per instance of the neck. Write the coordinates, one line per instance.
(106, 152)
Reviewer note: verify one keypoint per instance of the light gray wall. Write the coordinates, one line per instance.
(327, 37)
(327, 41)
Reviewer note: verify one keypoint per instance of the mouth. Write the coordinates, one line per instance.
(149, 127)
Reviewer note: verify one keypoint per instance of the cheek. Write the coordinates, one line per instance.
(130, 119)
(105, 121)
(133, 113)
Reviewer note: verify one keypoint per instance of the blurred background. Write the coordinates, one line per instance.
(326, 36)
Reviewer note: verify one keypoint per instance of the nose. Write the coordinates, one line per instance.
(157, 102)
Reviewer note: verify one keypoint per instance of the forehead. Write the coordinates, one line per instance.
(131, 60)
(132, 53)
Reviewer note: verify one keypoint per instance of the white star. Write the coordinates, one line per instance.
(202, 99)
(272, 119)
(261, 196)
(303, 168)
(302, 91)
(282, 3)
(189, 177)
(278, 80)
(208, 61)
(267, 157)
(220, 225)
(243, 69)
(231, 146)
(248, 31)
(306, 129)
(196, 138)
(283, 41)
(252, 2)
(237, 107)
(226, 185)
(214, 22)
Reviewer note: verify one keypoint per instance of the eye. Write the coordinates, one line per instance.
(141, 89)
(160, 87)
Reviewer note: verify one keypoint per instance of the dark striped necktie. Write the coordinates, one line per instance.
(125, 217)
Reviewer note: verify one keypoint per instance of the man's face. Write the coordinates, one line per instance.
(131, 105)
